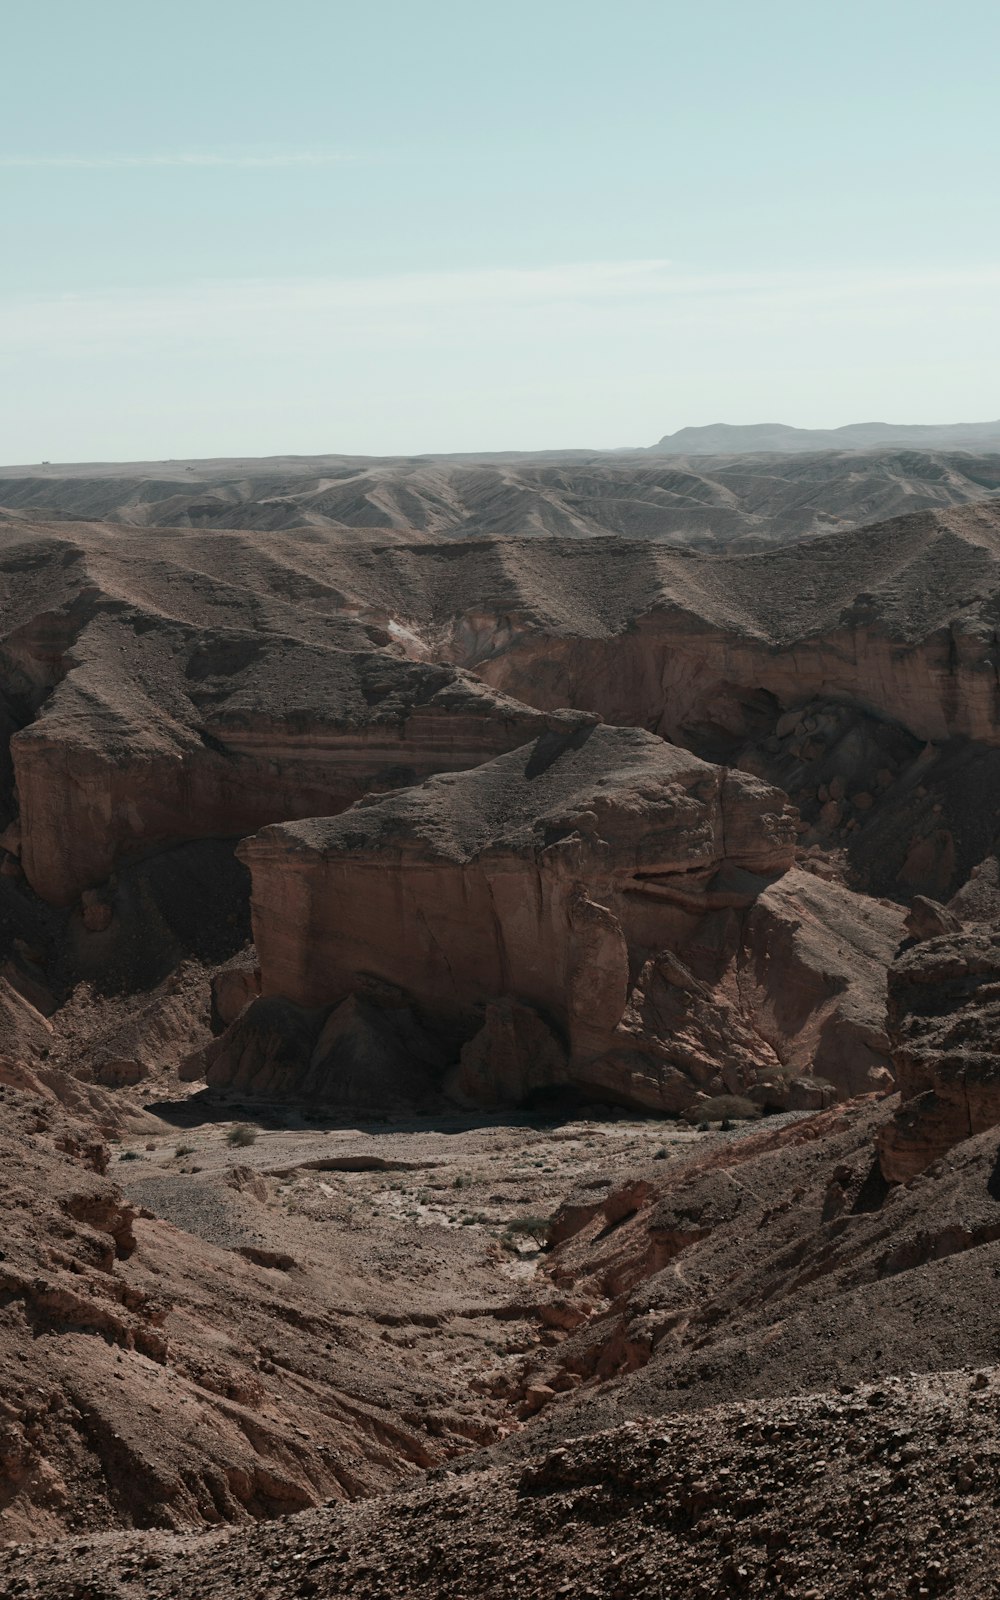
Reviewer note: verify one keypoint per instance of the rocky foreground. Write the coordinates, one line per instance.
(499, 1083)
(564, 1415)
(887, 1490)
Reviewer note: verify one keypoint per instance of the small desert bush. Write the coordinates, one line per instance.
(184, 1150)
(242, 1134)
(723, 1108)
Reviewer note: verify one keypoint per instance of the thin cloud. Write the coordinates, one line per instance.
(396, 305)
(181, 158)
(645, 315)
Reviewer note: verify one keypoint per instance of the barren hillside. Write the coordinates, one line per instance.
(708, 501)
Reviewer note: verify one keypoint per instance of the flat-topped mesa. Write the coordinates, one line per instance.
(549, 877)
(213, 737)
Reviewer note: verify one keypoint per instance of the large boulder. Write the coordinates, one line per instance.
(811, 975)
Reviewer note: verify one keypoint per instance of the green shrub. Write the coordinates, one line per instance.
(242, 1134)
(537, 1228)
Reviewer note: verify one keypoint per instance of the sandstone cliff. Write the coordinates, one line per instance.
(944, 1017)
(142, 730)
(615, 885)
(213, 682)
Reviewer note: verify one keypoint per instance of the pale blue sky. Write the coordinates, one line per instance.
(245, 226)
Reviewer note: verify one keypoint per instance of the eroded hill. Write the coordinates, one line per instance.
(740, 501)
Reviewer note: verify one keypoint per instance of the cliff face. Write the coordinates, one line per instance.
(615, 885)
(944, 1020)
(479, 884)
(900, 619)
(693, 682)
(214, 683)
(167, 738)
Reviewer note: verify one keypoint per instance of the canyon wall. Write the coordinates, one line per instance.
(120, 763)
(944, 1019)
(209, 684)
(616, 886)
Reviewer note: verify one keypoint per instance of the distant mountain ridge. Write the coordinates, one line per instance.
(732, 501)
(758, 438)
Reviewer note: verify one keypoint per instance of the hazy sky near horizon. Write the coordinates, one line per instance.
(244, 227)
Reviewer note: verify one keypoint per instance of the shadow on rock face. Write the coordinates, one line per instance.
(552, 745)
(361, 1056)
(993, 1184)
(192, 901)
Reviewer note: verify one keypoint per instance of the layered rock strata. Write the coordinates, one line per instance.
(944, 1018)
(202, 739)
(900, 619)
(213, 682)
(597, 908)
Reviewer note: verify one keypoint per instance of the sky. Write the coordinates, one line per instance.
(405, 226)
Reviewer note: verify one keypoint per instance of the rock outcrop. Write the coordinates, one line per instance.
(598, 908)
(156, 733)
(811, 976)
(944, 1019)
(926, 919)
(550, 876)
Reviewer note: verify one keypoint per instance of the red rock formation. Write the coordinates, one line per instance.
(944, 1019)
(211, 685)
(699, 645)
(533, 875)
(106, 776)
(616, 886)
